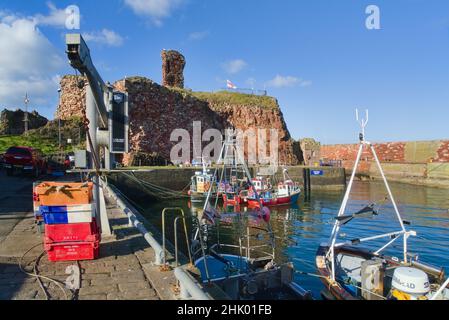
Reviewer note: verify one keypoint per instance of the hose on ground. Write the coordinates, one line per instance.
(36, 275)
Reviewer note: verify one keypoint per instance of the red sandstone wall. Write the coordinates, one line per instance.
(245, 117)
(387, 152)
(73, 99)
(443, 152)
(155, 111)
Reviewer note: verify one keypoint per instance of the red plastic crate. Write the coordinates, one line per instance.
(71, 232)
(71, 251)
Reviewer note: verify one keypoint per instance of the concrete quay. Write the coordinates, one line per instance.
(124, 270)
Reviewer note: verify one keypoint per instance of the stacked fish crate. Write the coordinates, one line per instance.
(68, 211)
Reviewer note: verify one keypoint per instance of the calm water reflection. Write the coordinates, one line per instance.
(301, 228)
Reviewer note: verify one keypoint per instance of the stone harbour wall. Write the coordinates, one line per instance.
(415, 162)
(399, 152)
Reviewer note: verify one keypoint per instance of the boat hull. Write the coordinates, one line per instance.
(217, 270)
(250, 280)
(275, 201)
(231, 201)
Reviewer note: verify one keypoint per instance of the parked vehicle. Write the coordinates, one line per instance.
(71, 159)
(58, 163)
(24, 159)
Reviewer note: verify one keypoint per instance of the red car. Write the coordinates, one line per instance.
(25, 159)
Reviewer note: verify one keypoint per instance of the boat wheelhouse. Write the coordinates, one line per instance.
(201, 183)
(286, 192)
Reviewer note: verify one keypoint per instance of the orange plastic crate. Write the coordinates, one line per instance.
(64, 193)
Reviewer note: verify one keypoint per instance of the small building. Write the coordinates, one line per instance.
(311, 150)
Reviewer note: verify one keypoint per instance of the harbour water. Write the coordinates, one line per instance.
(301, 228)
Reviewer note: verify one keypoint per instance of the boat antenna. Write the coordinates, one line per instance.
(363, 122)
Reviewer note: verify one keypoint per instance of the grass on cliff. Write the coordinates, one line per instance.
(46, 138)
(222, 98)
(44, 145)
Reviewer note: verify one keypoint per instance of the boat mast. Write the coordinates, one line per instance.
(331, 253)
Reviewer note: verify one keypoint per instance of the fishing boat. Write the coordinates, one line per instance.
(230, 193)
(233, 181)
(241, 265)
(352, 272)
(286, 192)
(201, 183)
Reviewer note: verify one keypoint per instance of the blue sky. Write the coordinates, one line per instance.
(316, 57)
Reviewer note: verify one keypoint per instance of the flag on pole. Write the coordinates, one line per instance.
(230, 85)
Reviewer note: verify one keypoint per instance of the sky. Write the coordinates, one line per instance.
(317, 57)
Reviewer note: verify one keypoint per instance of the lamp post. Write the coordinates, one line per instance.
(59, 118)
(26, 112)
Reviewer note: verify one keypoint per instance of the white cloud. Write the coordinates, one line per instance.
(234, 66)
(105, 36)
(56, 18)
(199, 35)
(157, 10)
(287, 81)
(28, 63)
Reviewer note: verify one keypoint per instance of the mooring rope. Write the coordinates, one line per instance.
(155, 190)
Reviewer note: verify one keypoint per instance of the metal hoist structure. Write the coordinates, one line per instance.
(106, 118)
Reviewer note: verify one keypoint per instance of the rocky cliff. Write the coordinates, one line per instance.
(245, 111)
(11, 122)
(155, 111)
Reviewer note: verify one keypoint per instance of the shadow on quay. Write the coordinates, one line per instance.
(12, 281)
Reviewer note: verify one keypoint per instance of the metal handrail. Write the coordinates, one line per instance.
(175, 228)
(189, 287)
(134, 221)
(176, 236)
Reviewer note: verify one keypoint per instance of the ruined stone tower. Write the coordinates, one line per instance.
(173, 64)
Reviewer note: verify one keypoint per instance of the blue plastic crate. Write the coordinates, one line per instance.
(67, 214)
